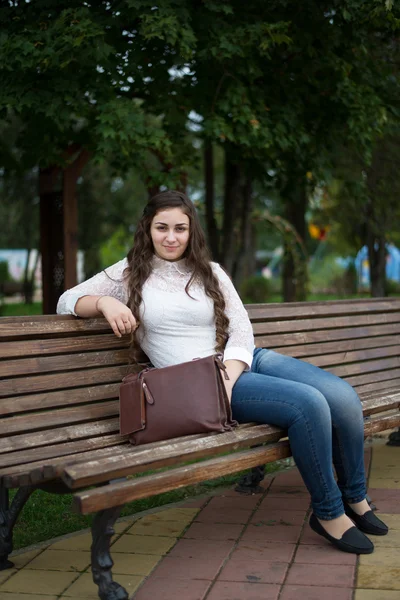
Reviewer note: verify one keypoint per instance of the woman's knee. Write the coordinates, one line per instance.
(312, 405)
(346, 402)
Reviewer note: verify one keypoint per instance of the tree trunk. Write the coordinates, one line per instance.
(59, 226)
(295, 205)
(211, 223)
(243, 259)
(231, 201)
(376, 245)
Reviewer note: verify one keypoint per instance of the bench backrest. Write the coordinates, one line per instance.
(59, 376)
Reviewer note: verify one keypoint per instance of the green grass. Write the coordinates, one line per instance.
(46, 516)
(19, 309)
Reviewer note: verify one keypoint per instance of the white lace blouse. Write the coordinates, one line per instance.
(174, 327)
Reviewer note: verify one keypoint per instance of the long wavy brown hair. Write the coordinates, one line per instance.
(197, 257)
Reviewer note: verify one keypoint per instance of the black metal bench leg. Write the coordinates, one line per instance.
(248, 484)
(102, 563)
(8, 517)
(394, 438)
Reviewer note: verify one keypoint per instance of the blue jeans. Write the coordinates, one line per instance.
(323, 416)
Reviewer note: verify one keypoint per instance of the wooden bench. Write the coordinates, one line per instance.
(59, 379)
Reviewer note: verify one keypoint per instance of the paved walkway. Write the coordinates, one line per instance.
(227, 547)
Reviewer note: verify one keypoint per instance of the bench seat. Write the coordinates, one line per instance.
(59, 382)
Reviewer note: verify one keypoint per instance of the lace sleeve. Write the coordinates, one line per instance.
(109, 282)
(240, 345)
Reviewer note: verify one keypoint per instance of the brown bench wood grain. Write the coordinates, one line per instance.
(59, 427)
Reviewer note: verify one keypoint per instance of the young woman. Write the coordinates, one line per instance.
(179, 305)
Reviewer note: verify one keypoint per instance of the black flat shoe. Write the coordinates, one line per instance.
(351, 541)
(368, 522)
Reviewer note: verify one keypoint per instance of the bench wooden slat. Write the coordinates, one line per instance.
(117, 494)
(64, 416)
(46, 400)
(387, 399)
(62, 345)
(301, 351)
(361, 358)
(111, 467)
(270, 312)
(374, 377)
(77, 452)
(316, 303)
(50, 325)
(309, 337)
(20, 458)
(53, 436)
(326, 323)
(67, 362)
(369, 366)
(381, 423)
(40, 383)
(115, 467)
(377, 386)
(142, 487)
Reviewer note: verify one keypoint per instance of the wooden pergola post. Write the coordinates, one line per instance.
(59, 226)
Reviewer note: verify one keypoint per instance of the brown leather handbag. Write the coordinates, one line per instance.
(159, 404)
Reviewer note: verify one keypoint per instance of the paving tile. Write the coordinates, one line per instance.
(195, 503)
(134, 564)
(362, 594)
(233, 493)
(200, 549)
(392, 521)
(157, 528)
(325, 575)
(254, 571)
(85, 589)
(389, 482)
(391, 540)
(274, 533)
(20, 560)
(288, 491)
(237, 501)
(263, 551)
(378, 494)
(214, 531)
(12, 596)
(121, 526)
(173, 514)
(74, 542)
(308, 592)
(223, 590)
(379, 577)
(167, 589)
(388, 506)
(189, 568)
(61, 560)
(323, 555)
(382, 557)
(283, 504)
(27, 582)
(291, 478)
(143, 544)
(265, 517)
(6, 574)
(309, 537)
(210, 514)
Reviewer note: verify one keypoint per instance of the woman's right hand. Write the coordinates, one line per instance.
(118, 315)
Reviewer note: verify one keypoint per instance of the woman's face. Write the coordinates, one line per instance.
(170, 232)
